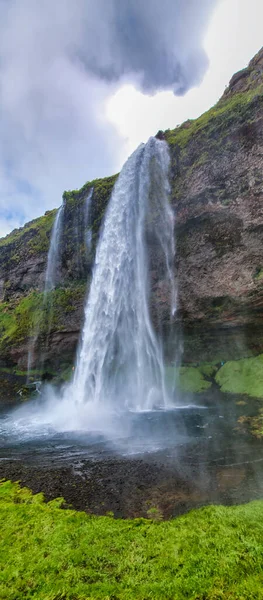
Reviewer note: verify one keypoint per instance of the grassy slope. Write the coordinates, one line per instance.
(51, 554)
(217, 118)
(39, 227)
(32, 312)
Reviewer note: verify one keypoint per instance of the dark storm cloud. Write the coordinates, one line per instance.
(59, 63)
(159, 40)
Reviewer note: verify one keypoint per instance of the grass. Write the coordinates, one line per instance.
(102, 189)
(220, 115)
(104, 184)
(47, 553)
(16, 322)
(33, 312)
(40, 227)
(243, 376)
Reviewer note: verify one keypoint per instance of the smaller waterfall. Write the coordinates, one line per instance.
(51, 279)
(88, 228)
(54, 252)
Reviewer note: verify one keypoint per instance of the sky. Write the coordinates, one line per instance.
(83, 82)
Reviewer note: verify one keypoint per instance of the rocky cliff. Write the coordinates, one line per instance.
(217, 195)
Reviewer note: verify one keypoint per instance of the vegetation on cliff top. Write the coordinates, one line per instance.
(38, 230)
(102, 189)
(100, 186)
(47, 553)
(220, 116)
(34, 237)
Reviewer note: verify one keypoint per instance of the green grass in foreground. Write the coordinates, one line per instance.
(48, 553)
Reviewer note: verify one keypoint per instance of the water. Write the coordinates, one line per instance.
(88, 227)
(120, 361)
(171, 459)
(51, 279)
(53, 259)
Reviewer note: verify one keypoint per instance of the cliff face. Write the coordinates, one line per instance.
(217, 195)
(23, 261)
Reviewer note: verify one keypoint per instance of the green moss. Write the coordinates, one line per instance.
(187, 379)
(208, 370)
(40, 229)
(47, 553)
(7, 320)
(243, 376)
(258, 274)
(253, 424)
(218, 117)
(35, 312)
(64, 300)
(66, 373)
(102, 189)
(105, 183)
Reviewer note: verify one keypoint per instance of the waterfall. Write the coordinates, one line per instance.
(51, 278)
(54, 252)
(120, 361)
(88, 228)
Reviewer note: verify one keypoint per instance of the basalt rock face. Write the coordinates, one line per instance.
(217, 194)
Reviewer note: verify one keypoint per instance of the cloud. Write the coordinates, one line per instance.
(159, 40)
(59, 64)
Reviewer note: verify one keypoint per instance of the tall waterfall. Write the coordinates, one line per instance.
(120, 360)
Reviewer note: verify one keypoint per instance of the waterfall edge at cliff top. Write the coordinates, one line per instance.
(120, 361)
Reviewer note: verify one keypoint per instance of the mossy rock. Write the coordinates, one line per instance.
(187, 379)
(36, 233)
(243, 376)
(208, 369)
(37, 312)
